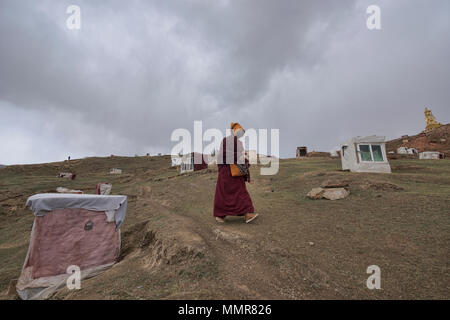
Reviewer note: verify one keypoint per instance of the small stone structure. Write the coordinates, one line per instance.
(301, 152)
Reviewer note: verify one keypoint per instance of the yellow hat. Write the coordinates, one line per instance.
(236, 127)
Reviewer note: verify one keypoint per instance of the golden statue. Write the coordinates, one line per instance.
(430, 121)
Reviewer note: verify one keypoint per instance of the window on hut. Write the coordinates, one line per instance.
(364, 151)
(377, 153)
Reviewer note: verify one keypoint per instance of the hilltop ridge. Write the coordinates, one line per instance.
(435, 140)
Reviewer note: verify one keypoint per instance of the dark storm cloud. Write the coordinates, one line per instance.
(254, 39)
(139, 69)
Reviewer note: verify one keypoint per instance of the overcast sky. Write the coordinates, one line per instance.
(137, 70)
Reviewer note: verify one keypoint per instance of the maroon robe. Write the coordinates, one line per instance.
(231, 198)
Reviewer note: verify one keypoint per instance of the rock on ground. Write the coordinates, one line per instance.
(336, 193)
(316, 193)
(328, 193)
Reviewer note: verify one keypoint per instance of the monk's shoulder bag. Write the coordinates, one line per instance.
(237, 170)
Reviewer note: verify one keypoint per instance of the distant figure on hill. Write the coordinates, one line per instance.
(232, 197)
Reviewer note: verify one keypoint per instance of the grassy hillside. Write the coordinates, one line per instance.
(297, 249)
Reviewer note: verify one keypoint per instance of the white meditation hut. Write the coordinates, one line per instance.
(365, 154)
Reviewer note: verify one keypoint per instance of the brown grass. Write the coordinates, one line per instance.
(173, 249)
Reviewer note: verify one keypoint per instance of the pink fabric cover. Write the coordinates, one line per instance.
(60, 240)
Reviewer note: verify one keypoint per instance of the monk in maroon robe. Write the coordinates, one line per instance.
(232, 198)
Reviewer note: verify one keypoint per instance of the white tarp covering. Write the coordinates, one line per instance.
(434, 155)
(114, 206)
(70, 232)
(365, 154)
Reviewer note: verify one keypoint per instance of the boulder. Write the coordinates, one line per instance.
(335, 193)
(316, 193)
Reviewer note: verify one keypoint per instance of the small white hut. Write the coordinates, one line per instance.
(187, 163)
(176, 160)
(115, 171)
(365, 154)
(402, 150)
(406, 150)
(428, 155)
(334, 154)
